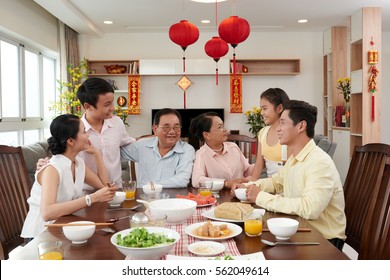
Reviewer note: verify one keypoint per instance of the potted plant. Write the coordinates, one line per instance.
(255, 120)
(344, 85)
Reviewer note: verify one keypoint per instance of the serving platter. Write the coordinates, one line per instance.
(234, 230)
(255, 214)
(205, 205)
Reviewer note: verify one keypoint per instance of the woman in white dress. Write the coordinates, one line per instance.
(57, 190)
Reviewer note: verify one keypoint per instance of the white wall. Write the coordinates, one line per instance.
(28, 22)
(161, 91)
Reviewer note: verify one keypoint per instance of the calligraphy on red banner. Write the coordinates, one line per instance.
(236, 93)
(134, 88)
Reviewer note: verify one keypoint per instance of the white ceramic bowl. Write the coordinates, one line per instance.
(217, 185)
(241, 194)
(148, 189)
(282, 228)
(149, 253)
(79, 234)
(177, 209)
(118, 199)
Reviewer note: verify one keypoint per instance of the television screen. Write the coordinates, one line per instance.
(187, 115)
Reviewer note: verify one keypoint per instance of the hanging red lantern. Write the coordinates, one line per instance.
(234, 30)
(216, 48)
(184, 34)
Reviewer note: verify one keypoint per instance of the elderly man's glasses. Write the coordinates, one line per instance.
(167, 128)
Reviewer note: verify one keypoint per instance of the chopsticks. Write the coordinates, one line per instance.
(80, 224)
(152, 186)
(299, 230)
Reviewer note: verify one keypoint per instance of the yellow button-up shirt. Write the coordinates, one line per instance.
(308, 185)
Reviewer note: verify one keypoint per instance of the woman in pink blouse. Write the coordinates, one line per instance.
(217, 158)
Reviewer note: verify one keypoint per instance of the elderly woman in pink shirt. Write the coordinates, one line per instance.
(217, 158)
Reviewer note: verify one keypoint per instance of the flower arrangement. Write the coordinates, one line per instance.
(68, 102)
(345, 87)
(122, 113)
(255, 120)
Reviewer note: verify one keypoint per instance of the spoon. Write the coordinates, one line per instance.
(140, 217)
(270, 243)
(106, 229)
(144, 202)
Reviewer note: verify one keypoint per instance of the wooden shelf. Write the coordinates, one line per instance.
(365, 24)
(96, 67)
(267, 66)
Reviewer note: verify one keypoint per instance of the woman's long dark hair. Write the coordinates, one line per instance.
(62, 128)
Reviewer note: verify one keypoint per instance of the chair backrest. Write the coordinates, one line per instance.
(363, 180)
(14, 191)
(324, 143)
(247, 145)
(375, 244)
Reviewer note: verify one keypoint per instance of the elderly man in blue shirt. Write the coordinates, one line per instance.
(164, 159)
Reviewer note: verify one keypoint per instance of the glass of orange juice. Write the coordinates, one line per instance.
(253, 226)
(129, 188)
(205, 188)
(50, 250)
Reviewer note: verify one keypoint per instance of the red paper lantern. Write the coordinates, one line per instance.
(234, 30)
(216, 48)
(184, 34)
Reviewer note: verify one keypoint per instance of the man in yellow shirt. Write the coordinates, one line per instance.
(309, 184)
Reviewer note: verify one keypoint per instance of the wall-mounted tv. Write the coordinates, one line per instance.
(187, 115)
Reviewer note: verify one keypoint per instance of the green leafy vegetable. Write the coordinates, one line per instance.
(226, 258)
(141, 238)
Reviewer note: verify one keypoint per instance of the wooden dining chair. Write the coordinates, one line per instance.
(375, 243)
(247, 145)
(363, 180)
(14, 191)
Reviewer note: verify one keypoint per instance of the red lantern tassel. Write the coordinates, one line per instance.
(184, 99)
(184, 64)
(234, 63)
(216, 74)
(373, 107)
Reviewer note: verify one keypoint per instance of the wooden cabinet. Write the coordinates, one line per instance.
(120, 69)
(267, 66)
(334, 68)
(365, 24)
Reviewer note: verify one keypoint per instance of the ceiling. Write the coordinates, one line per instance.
(139, 16)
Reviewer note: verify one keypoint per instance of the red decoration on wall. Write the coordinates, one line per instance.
(134, 88)
(236, 93)
(216, 48)
(372, 60)
(184, 34)
(234, 30)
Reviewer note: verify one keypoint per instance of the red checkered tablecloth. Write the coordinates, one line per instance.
(181, 249)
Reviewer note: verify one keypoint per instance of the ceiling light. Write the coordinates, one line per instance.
(302, 20)
(108, 22)
(205, 21)
(207, 1)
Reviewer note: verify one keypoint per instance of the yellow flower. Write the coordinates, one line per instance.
(344, 85)
(255, 120)
(68, 102)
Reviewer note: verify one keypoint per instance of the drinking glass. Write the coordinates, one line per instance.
(253, 226)
(129, 187)
(50, 250)
(205, 188)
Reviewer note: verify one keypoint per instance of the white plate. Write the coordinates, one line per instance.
(234, 230)
(206, 248)
(255, 214)
(254, 256)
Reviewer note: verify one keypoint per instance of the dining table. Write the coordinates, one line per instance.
(99, 247)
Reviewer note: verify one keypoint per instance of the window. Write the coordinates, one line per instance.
(27, 86)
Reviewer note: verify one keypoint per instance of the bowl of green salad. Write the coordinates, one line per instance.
(149, 243)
